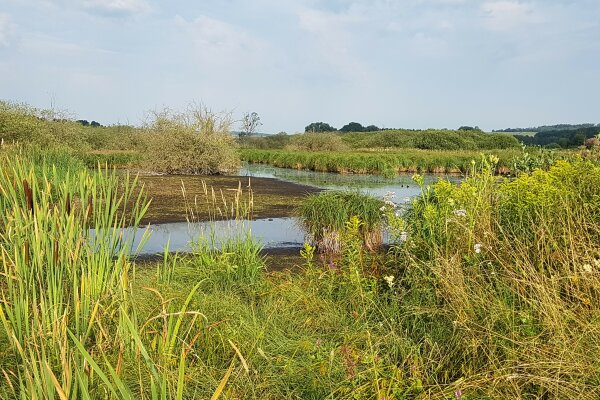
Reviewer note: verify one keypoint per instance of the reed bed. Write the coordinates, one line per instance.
(382, 162)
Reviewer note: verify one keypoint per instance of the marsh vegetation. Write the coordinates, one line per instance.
(489, 287)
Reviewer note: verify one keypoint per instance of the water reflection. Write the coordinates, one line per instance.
(376, 185)
(271, 233)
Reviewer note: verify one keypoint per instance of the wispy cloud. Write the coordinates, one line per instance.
(506, 16)
(219, 42)
(117, 7)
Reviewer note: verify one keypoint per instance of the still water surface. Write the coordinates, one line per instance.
(275, 232)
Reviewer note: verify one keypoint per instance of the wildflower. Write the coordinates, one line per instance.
(586, 301)
(458, 394)
(389, 280)
(460, 213)
(390, 203)
(403, 236)
(382, 208)
(389, 195)
(587, 268)
(478, 248)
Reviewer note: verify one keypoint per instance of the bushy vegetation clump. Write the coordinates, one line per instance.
(393, 139)
(316, 142)
(569, 136)
(197, 141)
(431, 140)
(47, 128)
(324, 217)
(277, 141)
(509, 272)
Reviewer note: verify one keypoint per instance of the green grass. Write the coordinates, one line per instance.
(387, 163)
(116, 158)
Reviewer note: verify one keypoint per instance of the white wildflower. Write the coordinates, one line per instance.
(390, 203)
(478, 248)
(403, 236)
(389, 280)
(460, 213)
(382, 208)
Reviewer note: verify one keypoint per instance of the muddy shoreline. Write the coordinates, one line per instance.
(272, 198)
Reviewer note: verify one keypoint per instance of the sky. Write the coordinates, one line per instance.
(392, 63)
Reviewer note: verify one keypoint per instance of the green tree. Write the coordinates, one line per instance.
(469, 128)
(352, 127)
(319, 127)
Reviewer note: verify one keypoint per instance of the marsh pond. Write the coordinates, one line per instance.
(275, 194)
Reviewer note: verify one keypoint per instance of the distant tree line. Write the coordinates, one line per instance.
(549, 128)
(350, 127)
(469, 128)
(317, 127)
(85, 122)
(561, 138)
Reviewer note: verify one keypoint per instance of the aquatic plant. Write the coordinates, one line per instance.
(324, 217)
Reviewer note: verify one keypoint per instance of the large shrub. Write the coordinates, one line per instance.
(197, 141)
(25, 124)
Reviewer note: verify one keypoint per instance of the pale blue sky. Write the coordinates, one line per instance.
(403, 63)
